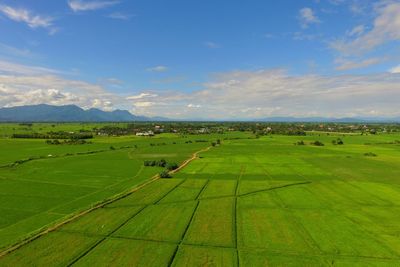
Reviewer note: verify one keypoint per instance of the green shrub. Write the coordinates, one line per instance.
(165, 174)
(317, 143)
(172, 166)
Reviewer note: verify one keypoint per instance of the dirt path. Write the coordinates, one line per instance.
(97, 206)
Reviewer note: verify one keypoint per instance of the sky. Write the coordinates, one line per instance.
(225, 59)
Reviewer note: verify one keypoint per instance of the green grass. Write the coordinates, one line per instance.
(252, 202)
(101, 221)
(271, 229)
(218, 188)
(55, 249)
(212, 224)
(159, 223)
(188, 190)
(204, 256)
(257, 258)
(60, 180)
(125, 252)
(150, 194)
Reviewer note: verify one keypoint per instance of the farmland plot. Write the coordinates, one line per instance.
(260, 202)
(126, 252)
(213, 224)
(205, 256)
(159, 222)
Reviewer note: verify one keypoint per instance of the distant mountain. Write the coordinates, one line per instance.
(68, 113)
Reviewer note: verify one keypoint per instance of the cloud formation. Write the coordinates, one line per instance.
(266, 93)
(26, 16)
(24, 85)
(120, 16)
(80, 5)
(345, 64)
(227, 95)
(159, 68)
(395, 69)
(307, 17)
(385, 28)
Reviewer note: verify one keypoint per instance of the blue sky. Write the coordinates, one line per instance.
(203, 59)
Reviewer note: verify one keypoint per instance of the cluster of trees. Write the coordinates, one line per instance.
(54, 135)
(152, 163)
(317, 143)
(169, 166)
(67, 142)
(338, 142)
(215, 143)
(300, 143)
(112, 130)
(161, 163)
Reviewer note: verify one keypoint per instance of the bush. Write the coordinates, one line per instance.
(162, 163)
(165, 174)
(300, 143)
(317, 143)
(370, 154)
(338, 142)
(158, 163)
(149, 163)
(172, 166)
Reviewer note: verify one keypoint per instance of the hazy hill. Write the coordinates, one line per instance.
(68, 113)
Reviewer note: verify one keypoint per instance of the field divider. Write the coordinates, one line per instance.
(274, 188)
(104, 238)
(202, 189)
(76, 216)
(95, 207)
(184, 234)
(189, 223)
(34, 158)
(168, 192)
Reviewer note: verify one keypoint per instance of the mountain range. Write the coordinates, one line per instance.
(73, 113)
(67, 113)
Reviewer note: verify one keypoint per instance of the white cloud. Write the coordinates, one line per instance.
(265, 93)
(395, 69)
(7, 67)
(357, 30)
(26, 16)
(307, 17)
(23, 85)
(14, 51)
(80, 5)
(141, 96)
(143, 104)
(158, 69)
(345, 64)
(193, 106)
(385, 28)
(212, 45)
(230, 95)
(119, 15)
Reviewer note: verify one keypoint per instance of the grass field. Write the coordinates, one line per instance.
(60, 180)
(247, 202)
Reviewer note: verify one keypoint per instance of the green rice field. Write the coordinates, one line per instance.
(247, 202)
